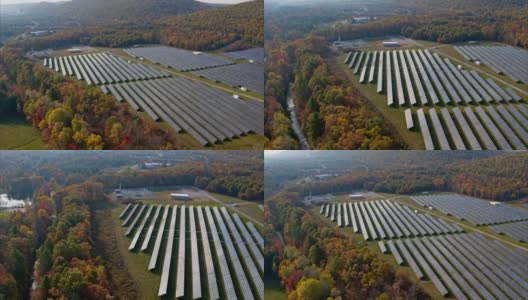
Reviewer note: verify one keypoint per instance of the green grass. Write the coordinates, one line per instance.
(18, 134)
(273, 289)
(137, 263)
(226, 199)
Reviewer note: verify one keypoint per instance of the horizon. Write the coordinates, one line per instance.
(14, 2)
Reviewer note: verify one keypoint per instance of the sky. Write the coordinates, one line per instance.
(6, 2)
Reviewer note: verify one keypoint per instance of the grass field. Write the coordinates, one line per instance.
(248, 207)
(273, 290)
(18, 134)
(136, 263)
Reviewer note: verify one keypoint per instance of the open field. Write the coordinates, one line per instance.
(273, 290)
(17, 134)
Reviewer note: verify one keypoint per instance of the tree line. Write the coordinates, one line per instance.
(242, 180)
(208, 29)
(499, 178)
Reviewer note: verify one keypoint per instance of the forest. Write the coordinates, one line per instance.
(319, 262)
(242, 180)
(192, 28)
(499, 178)
(71, 115)
(330, 112)
(57, 228)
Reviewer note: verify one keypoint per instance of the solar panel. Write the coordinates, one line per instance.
(390, 94)
(409, 119)
(123, 213)
(395, 252)
(164, 282)
(399, 85)
(256, 234)
(180, 271)
(196, 280)
(222, 261)
(140, 229)
(416, 78)
(409, 259)
(208, 257)
(439, 130)
(159, 237)
(380, 73)
(408, 81)
(249, 241)
(146, 241)
(237, 265)
(125, 223)
(453, 131)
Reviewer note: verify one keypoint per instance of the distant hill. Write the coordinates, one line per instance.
(88, 10)
(216, 28)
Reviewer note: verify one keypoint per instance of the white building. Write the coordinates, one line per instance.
(184, 197)
(391, 44)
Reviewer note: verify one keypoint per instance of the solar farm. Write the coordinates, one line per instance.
(209, 114)
(200, 252)
(466, 111)
(516, 230)
(456, 262)
(500, 218)
(513, 62)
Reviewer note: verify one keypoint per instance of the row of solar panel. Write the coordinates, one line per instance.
(179, 59)
(466, 266)
(102, 68)
(516, 230)
(385, 219)
(495, 127)
(431, 79)
(133, 213)
(501, 59)
(474, 210)
(206, 113)
(248, 76)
